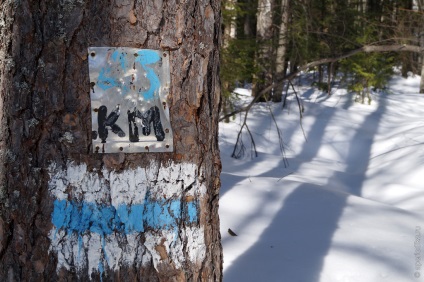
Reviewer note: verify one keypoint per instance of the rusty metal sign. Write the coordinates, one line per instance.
(129, 90)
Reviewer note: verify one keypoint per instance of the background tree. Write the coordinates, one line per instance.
(366, 71)
(281, 54)
(45, 147)
(419, 6)
(238, 49)
(264, 53)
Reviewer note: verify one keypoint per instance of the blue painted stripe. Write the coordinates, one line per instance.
(82, 217)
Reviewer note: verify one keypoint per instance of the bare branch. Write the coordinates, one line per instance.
(280, 139)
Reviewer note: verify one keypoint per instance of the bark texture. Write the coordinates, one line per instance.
(45, 123)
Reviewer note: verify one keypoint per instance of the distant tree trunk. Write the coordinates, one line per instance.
(420, 4)
(62, 217)
(248, 20)
(320, 74)
(264, 35)
(406, 61)
(421, 8)
(230, 31)
(422, 64)
(230, 27)
(280, 67)
(330, 68)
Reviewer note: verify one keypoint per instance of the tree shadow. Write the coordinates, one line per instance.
(349, 101)
(308, 94)
(301, 232)
(297, 239)
(258, 130)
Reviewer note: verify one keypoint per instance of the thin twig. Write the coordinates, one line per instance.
(285, 176)
(239, 147)
(280, 139)
(301, 109)
(252, 140)
(285, 96)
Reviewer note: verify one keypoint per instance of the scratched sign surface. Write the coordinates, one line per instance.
(129, 90)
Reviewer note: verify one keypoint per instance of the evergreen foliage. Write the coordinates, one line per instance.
(237, 64)
(368, 71)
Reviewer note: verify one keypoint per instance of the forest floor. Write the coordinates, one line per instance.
(350, 204)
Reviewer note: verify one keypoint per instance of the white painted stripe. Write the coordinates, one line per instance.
(115, 251)
(127, 187)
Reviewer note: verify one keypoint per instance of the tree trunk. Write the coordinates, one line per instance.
(264, 34)
(248, 20)
(281, 51)
(419, 4)
(230, 31)
(230, 27)
(422, 74)
(330, 74)
(421, 9)
(68, 214)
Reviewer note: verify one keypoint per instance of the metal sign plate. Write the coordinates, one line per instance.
(129, 90)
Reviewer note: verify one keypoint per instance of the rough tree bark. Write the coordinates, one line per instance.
(45, 145)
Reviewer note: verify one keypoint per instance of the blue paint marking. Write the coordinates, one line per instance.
(104, 220)
(147, 57)
(101, 269)
(192, 211)
(80, 245)
(130, 218)
(105, 79)
(121, 57)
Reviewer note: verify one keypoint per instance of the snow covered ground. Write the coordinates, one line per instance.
(350, 205)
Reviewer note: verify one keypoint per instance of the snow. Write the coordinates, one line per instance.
(242, 92)
(350, 205)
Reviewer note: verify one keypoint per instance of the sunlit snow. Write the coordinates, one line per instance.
(350, 205)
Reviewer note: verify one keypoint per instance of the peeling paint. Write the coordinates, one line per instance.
(105, 219)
